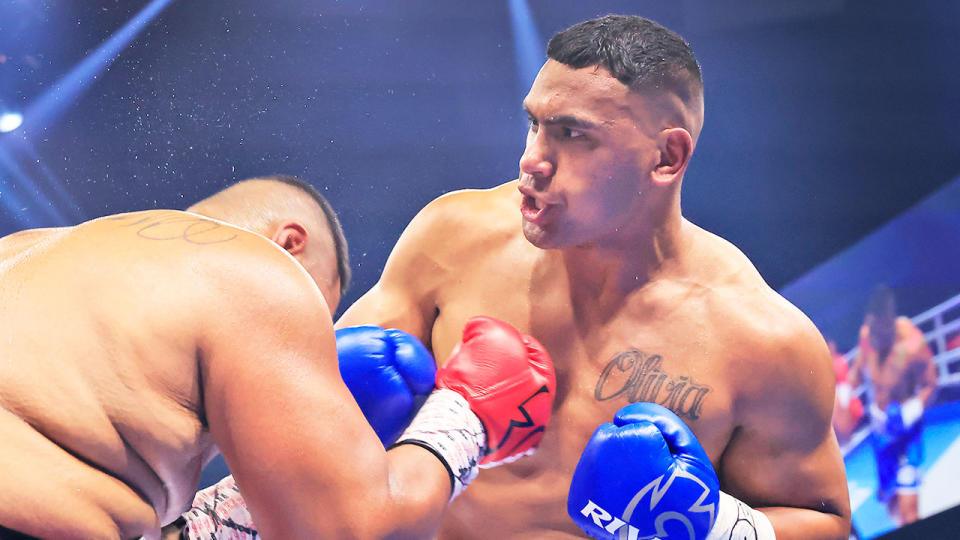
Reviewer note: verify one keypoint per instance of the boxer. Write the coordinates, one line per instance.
(897, 366)
(588, 251)
(138, 344)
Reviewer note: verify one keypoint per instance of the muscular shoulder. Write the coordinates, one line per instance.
(470, 214)
(454, 230)
(777, 355)
(908, 331)
(209, 268)
(255, 304)
(19, 242)
(254, 278)
(911, 339)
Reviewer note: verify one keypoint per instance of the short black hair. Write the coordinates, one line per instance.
(339, 240)
(639, 52)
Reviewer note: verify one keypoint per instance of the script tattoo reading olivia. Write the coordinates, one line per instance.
(637, 376)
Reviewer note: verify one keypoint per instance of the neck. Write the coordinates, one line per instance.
(618, 265)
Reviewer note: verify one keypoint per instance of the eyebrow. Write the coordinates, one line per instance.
(563, 120)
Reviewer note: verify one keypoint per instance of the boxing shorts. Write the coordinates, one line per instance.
(898, 458)
(218, 512)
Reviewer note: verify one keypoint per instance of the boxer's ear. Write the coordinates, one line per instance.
(291, 236)
(676, 147)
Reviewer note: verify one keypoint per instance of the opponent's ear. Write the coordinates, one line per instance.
(676, 147)
(291, 236)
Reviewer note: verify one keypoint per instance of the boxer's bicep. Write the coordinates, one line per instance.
(784, 458)
(770, 470)
(803, 494)
(305, 459)
(405, 296)
(389, 304)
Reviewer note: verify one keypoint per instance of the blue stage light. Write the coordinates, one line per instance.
(22, 195)
(528, 45)
(68, 89)
(528, 49)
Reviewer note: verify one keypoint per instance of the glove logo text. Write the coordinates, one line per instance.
(657, 488)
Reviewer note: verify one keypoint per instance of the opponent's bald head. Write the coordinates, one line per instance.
(647, 57)
(293, 214)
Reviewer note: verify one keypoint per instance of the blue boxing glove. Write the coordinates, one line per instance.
(647, 476)
(390, 374)
(645, 473)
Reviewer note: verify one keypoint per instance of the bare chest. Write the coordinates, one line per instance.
(628, 357)
(675, 356)
(892, 379)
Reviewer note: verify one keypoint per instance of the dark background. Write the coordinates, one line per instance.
(825, 118)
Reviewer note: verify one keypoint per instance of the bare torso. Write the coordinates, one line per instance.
(99, 397)
(692, 342)
(904, 371)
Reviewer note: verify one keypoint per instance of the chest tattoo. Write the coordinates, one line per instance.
(638, 376)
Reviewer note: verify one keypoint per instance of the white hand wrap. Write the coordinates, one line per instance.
(219, 512)
(736, 520)
(844, 393)
(910, 411)
(447, 427)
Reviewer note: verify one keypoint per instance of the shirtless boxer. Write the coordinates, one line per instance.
(897, 365)
(137, 344)
(588, 251)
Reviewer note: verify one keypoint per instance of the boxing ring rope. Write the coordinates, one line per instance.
(938, 324)
(948, 362)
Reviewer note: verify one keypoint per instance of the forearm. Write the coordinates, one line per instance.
(419, 491)
(382, 307)
(929, 390)
(405, 501)
(791, 523)
(405, 504)
(855, 375)
(926, 395)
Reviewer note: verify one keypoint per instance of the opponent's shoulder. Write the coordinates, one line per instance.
(17, 244)
(224, 269)
(252, 271)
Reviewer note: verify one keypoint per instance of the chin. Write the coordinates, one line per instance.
(539, 237)
(533, 234)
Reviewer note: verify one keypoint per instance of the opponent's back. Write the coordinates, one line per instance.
(100, 405)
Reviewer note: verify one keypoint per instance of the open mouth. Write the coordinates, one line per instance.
(532, 209)
(531, 202)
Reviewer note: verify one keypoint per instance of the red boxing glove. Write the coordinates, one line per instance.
(840, 368)
(856, 409)
(509, 382)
